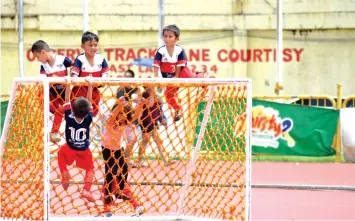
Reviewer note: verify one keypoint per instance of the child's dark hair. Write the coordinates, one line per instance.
(127, 111)
(89, 36)
(173, 28)
(126, 92)
(81, 107)
(146, 94)
(130, 71)
(40, 45)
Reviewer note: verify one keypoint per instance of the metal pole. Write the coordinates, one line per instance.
(279, 62)
(20, 37)
(46, 149)
(161, 23)
(192, 163)
(85, 15)
(248, 153)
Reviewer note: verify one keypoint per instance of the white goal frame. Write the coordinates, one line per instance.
(179, 215)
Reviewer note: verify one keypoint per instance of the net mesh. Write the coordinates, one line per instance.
(22, 165)
(194, 166)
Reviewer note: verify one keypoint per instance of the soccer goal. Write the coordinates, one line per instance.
(194, 167)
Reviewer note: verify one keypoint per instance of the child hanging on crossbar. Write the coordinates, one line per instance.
(78, 118)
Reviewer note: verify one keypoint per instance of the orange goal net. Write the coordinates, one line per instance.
(161, 148)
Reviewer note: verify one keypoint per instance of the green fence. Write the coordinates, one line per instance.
(4, 105)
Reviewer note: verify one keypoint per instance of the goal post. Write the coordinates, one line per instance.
(196, 167)
(22, 153)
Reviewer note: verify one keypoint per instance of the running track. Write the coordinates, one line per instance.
(282, 204)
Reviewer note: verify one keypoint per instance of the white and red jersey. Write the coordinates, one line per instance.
(59, 69)
(83, 68)
(169, 63)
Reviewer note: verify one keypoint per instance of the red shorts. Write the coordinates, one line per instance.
(83, 158)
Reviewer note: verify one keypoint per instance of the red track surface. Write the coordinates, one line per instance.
(304, 173)
(268, 204)
(278, 204)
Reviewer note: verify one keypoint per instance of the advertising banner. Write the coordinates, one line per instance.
(293, 129)
(279, 129)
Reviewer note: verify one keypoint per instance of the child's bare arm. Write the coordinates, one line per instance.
(111, 119)
(67, 89)
(139, 108)
(178, 71)
(137, 113)
(162, 117)
(114, 113)
(89, 80)
(156, 71)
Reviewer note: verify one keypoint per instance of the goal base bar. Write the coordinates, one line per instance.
(124, 218)
(304, 187)
(143, 218)
(235, 185)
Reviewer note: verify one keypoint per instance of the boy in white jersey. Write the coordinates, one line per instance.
(171, 60)
(53, 65)
(89, 63)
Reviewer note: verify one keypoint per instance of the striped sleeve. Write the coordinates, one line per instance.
(105, 70)
(181, 61)
(157, 59)
(76, 67)
(42, 71)
(67, 62)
